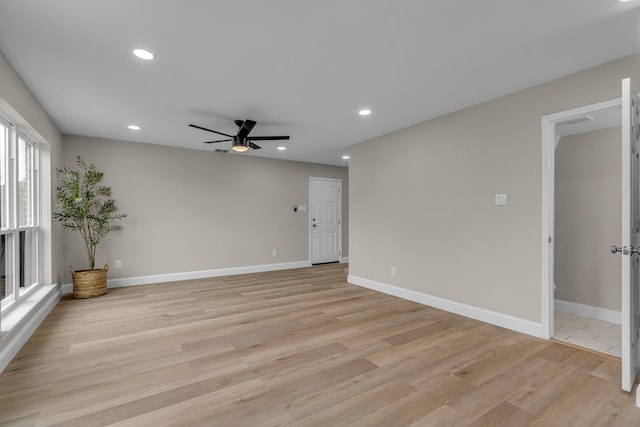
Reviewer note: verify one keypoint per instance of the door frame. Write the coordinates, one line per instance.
(310, 222)
(547, 238)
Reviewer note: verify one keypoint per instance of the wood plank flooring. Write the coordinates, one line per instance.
(296, 348)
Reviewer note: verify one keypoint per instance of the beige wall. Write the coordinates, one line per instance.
(17, 100)
(587, 218)
(422, 198)
(192, 210)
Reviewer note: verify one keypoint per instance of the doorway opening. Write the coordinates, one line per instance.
(581, 218)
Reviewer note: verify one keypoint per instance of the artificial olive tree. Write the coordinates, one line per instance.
(86, 206)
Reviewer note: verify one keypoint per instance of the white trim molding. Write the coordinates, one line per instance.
(344, 260)
(191, 275)
(583, 310)
(21, 322)
(488, 316)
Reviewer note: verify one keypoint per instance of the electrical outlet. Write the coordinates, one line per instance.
(393, 270)
(274, 252)
(118, 263)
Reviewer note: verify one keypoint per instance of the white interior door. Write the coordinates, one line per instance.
(325, 220)
(630, 233)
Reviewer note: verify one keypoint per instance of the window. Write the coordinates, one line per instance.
(19, 213)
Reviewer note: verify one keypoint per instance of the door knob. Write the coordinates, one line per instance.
(630, 250)
(626, 250)
(314, 226)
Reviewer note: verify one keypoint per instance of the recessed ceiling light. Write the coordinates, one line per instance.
(345, 157)
(364, 112)
(143, 54)
(282, 148)
(134, 127)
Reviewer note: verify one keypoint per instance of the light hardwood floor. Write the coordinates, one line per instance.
(300, 348)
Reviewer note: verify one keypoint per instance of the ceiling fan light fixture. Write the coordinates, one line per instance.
(239, 148)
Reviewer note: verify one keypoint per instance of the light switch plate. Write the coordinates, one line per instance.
(501, 200)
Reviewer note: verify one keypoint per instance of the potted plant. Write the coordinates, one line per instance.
(86, 206)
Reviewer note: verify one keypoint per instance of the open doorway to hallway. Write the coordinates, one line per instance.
(584, 222)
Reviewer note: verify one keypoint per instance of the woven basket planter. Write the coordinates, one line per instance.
(89, 283)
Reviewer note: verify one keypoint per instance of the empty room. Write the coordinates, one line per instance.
(337, 213)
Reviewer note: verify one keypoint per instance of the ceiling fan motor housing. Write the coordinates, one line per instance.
(239, 144)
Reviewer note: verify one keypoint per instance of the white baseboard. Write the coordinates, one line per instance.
(190, 275)
(344, 260)
(488, 316)
(21, 322)
(583, 310)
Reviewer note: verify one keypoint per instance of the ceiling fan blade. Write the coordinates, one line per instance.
(209, 130)
(238, 123)
(219, 140)
(246, 128)
(254, 146)
(268, 138)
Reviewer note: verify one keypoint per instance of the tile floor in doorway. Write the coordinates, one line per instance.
(593, 334)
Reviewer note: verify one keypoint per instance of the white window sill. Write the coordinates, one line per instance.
(21, 320)
(19, 311)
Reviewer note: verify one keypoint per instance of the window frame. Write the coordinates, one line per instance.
(13, 231)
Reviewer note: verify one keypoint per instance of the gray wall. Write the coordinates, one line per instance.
(422, 198)
(192, 210)
(17, 100)
(587, 218)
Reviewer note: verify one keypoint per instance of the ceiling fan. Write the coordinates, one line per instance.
(241, 141)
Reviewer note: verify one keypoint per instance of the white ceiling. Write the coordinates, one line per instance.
(297, 67)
